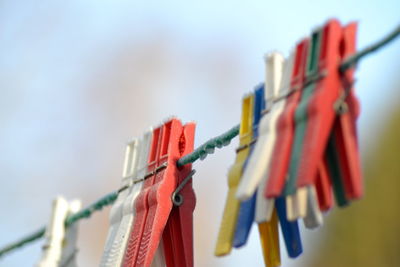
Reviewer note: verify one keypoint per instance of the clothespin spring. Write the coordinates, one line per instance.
(177, 198)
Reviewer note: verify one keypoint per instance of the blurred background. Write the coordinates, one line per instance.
(80, 78)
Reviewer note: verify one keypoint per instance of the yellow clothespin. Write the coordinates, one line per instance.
(229, 218)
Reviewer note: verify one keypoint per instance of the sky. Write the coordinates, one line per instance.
(80, 78)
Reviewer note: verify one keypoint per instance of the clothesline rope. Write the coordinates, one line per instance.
(199, 153)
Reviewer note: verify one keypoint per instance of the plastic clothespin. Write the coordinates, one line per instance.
(60, 244)
(68, 255)
(323, 186)
(260, 158)
(54, 235)
(344, 129)
(269, 237)
(153, 204)
(285, 128)
(268, 231)
(298, 205)
(231, 210)
(128, 211)
(319, 108)
(178, 233)
(140, 206)
(290, 230)
(112, 254)
(265, 206)
(247, 208)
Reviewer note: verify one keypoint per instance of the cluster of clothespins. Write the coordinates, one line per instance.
(151, 221)
(298, 152)
(298, 146)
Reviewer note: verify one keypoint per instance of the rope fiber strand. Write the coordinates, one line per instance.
(199, 153)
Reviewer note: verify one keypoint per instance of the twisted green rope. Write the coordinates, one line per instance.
(209, 147)
(199, 153)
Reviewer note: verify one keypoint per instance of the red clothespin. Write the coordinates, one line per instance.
(338, 43)
(321, 113)
(178, 233)
(348, 109)
(285, 129)
(323, 186)
(154, 204)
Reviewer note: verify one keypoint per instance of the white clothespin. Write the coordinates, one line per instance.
(265, 206)
(314, 217)
(128, 174)
(69, 250)
(54, 234)
(259, 160)
(60, 244)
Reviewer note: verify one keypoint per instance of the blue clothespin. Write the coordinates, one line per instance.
(290, 230)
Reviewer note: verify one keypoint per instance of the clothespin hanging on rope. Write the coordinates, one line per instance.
(282, 149)
(111, 255)
(247, 207)
(69, 251)
(178, 233)
(268, 125)
(232, 205)
(303, 203)
(266, 215)
(343, 142)
(154, 203)
(60, 244)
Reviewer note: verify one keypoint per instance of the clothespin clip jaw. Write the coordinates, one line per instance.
(232, 205)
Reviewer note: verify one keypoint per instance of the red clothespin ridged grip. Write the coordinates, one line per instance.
(345, 133)
(178, 233)
(285, 128)
(321, 113)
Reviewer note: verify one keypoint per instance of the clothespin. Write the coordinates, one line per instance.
(153, 204)
(298, 205)
(178, 233)
(285, 130)
(135, 174)
(344, 129)
(266, 215)
(260, 158)
(68, 255)
(112, 255)
(231, 210)
(275, 63)
(321, 114)
(60, 244)
(54, 234)
(247, 208)
(323, 186)
(290, 230)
